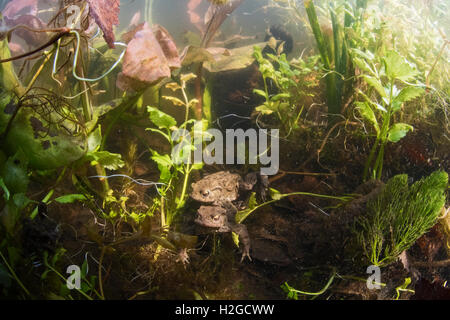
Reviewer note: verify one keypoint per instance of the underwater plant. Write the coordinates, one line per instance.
(395, 81)
(281, 91)
(172, 165)
(399, 215)
(334, 48)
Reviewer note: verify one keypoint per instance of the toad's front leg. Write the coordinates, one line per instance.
(244, 238)
(239, 229)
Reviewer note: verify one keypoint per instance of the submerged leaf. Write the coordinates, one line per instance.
(108, 160)
(14, 174)
(150, 57)
(161, 119)
(398, 131)
(366, 111)
(106, 14)
(46, 147)
(398, 67)
(409, 93)
(71, 198)
(20, 7)
(376, 84)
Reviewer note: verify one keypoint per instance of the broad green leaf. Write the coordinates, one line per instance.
(14, 173)
(108, 160)
(398, 67)
(45, 146)
(376, 84)
(409, 93)
(162, 159)
(71, 198)
(161, 119)
(95, 139)
(367, 113)
(164, 165)
(262, 93)
(398, 131)
(280, 96)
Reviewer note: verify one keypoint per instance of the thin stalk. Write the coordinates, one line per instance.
(370, 159)
(38, 72)
(65, 280)
(242, 215)
(185, 183)
(100, 281)
(11, 270)
(64, 31)
(330, 281)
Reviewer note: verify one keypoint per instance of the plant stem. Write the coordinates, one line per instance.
(185, 183)
(11, 270)
(330, 281)
(38, 72)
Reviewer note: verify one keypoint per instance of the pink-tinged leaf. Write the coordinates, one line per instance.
(135, 20)
(31, 38)
(106, 14)
(128, 36)
(149, 58)
(194, 16)
(215, 16)
(16, 8)
(168, 46)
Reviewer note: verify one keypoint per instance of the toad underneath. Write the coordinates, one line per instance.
(217, 191)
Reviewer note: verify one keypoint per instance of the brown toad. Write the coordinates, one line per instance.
(218, 190)
(222, 219)
(221, 186)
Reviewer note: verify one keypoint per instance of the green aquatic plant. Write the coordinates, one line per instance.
(175, 167)
(399, 215)
(334, 47)
(293, 293)
(393, 81)
(285, 101)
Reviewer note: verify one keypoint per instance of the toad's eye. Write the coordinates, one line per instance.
(216, 217)
(205, 193)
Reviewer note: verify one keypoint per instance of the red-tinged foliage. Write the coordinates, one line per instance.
(150, 57)
(216, 16)
(31, 38)
(17, 8)
(194, 16)
(106, 14)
